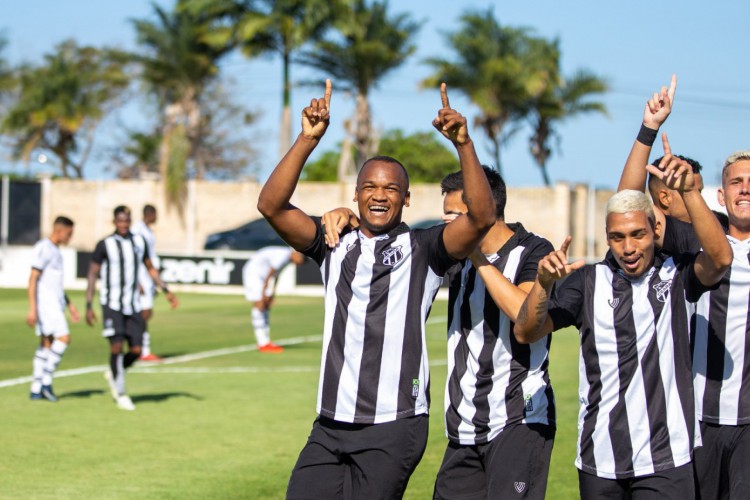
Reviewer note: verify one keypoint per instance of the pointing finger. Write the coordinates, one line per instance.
(672, 87)
(328, 93)
(444, 96)
(665, 143)
(566, 244)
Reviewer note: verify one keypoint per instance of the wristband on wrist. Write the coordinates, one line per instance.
(88, 305)
(165, 289)
(646, 136)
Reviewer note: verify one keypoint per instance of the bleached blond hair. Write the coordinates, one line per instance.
(734, 158)
(630, 200)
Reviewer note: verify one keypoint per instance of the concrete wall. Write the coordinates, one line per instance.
(216, 206)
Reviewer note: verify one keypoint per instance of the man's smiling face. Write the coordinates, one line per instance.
(382, 192)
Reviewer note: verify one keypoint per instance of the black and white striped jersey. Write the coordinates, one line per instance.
(120, 258)
(378, 294)
(721, 345)
(637, 412)
(493, 381)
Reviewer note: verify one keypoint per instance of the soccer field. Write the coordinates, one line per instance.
(219, 420)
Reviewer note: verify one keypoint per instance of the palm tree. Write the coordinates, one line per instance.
(367, 45)
(60, 103)
(277, 26)
(558, 101)
(498, 68)
(178, 64)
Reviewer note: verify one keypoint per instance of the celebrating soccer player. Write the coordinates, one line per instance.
(379, 285)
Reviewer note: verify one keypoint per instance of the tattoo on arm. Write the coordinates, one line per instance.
(541, 307)
(523, 316)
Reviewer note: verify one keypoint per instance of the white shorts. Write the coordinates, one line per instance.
(51, 321)
(147, 296)
(254, 290)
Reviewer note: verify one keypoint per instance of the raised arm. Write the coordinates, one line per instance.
(716, 257)
(463, 234)
(292, 224)
(533, 321)
(655, 114)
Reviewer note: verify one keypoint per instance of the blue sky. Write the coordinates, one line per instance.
(635, 45)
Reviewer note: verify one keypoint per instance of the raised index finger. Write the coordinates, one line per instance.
(665, 143)
(327, 95)
(566, 244)
(444, 96)
(672, 87)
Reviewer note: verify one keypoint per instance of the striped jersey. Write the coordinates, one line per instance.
(143, 229)
(378, 295)
(636, 414)
(493, 381)
(120, 258)
(721, 336)
(49, 262)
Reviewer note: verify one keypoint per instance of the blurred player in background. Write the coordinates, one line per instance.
(119, 258)
(47, 301)
(145, 283)
(259, 279)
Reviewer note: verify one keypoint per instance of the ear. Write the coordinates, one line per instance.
(406, 199)
(720, 197)
(356, 195)
(657, 230)
(665, 199)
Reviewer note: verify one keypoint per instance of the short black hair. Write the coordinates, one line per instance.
(63, 221)
(121, 209)
(387, 159)
(694, 164)
(148, 210)
(455, 182)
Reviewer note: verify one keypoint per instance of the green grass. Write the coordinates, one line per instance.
(204, 435)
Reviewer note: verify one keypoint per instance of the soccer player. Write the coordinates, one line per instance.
(637, 414)
(259, 279)
(380, 282)
(118, 258)
(47, 301)
(145, 283)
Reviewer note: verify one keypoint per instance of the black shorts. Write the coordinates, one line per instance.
(722, 464)
(670, 484)
(119, 327)
(515, 464)
(372, 461)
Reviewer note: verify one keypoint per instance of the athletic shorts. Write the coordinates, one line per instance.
(372, 461)
(254, 290)
(515, 464)
(148, 291)
(119, 327)
(670, 484)
(722, 464)
(50, 321)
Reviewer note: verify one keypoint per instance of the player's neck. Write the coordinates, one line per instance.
(498, 235)
(740, 233)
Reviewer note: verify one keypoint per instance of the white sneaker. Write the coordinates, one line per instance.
(125, 403)
(111, 382)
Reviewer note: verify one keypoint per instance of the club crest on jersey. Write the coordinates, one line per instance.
(614, 302)
(392, 256)
(662, 290)
(519, 486)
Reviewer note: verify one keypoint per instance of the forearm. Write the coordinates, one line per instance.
(477, 193)
(634, 173)
(716, 249)
(91, 283)
(533, 322)
(278, 190)
(31, 291)
(508, 297)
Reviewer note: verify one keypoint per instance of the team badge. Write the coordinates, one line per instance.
(392, 256)
(614, 303)
(519, 486)
(662, 290)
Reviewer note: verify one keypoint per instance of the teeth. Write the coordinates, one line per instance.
(378, 209)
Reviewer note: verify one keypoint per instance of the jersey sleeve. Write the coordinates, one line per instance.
(42, 257)
(438, 258)
(693, 287)
(100, 253)
(537, 250)
(679, 237)
(566, 302)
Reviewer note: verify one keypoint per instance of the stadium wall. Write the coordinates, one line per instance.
(210, 207)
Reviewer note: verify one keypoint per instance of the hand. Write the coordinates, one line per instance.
(334, 221)
(450, 122)
(90, 317)
(555, 265)
(477, 258)
(267, 302)
(31, 318)
(172, 299)
(659, 106)
(316, 116)
(676, 173)
(75, 317)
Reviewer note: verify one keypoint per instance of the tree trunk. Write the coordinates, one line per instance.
(285, 133)
(362, 130)
(346, 168)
